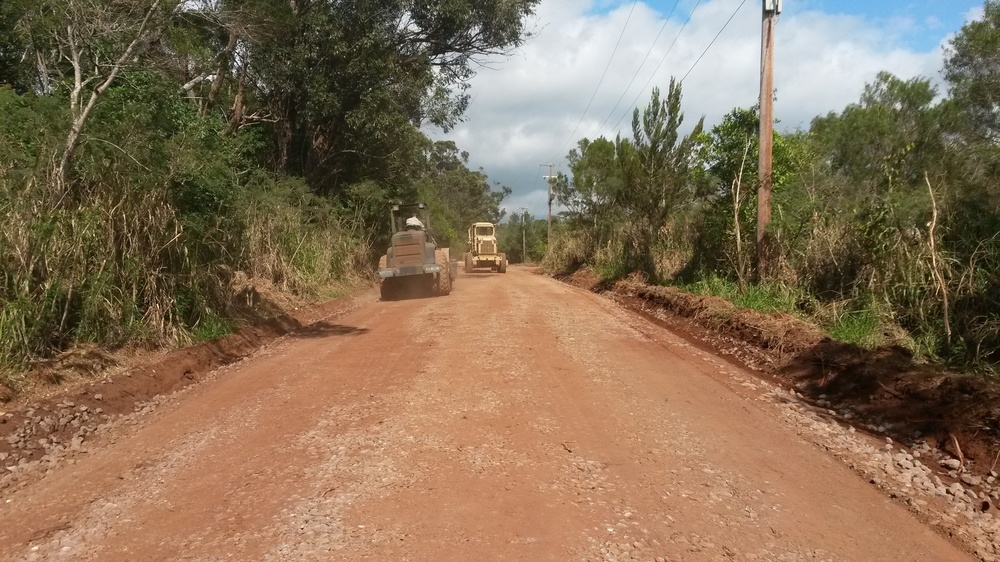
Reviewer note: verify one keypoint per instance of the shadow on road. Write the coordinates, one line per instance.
(908, 399)
(323, 329)
(410, 296)
(482, 275)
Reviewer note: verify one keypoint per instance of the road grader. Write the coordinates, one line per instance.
(483, 249)
(414, 265)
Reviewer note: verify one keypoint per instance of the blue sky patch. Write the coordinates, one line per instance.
(920, 25)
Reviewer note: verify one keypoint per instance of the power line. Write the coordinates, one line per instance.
(599, 82)
(713, 40)
(636, 74)
(664, 58)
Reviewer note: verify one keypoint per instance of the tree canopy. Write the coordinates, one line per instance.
(888, 209)
(158, 152)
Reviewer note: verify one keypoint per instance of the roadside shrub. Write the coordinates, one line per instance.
(162, 211)
(570, 249)
(611, 260)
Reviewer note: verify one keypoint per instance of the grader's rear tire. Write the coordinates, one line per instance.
(385, 288)
(503, 263)
(443, 286)
(388, 290)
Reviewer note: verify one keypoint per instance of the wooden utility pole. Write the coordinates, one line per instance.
(770, 13)
(524, 244)
(548, 180)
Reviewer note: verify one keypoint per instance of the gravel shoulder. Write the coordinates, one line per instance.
(517, 418)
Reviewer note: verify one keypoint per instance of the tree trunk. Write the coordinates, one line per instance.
(236, 118)
(220, 73)
(285, 134)
(82, 115)
(737, 185)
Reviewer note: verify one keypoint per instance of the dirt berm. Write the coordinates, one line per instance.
(65, 409)
(881, 390)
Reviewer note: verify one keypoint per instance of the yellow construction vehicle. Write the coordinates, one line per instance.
(483, 249)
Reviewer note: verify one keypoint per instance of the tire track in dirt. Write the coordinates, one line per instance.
(516, 418)
(681, 428)
(244, 420)
(481, 488)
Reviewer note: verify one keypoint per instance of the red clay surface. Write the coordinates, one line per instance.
(958, 412)
(518, 418)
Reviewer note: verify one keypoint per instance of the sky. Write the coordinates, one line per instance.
(532, 107)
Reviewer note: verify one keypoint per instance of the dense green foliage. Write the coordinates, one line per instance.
(523, 238)
(158, 157)
(886, 215)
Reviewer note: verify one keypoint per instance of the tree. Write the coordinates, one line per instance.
(593, 193)
(973, 128)
(728, 154)
(456, 195)
(730, 149)
(889, 138)
(656, 170)
(347, 83)
(340, 88)
(86, 44)
(973, 73)
(522, 238)
(624, 194)
(14, 51)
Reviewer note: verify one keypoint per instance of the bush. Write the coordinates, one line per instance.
(570, 249)
(145, 247)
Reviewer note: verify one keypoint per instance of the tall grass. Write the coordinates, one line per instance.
(762, 298)
(569, 250)
(157, 238)
(861, 327)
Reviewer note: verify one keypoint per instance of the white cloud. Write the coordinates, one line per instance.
(975, 14)
(525, 109)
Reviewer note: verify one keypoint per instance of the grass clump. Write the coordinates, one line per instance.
(849, 321)
(862, 327)
(762, 298)
(212, 327)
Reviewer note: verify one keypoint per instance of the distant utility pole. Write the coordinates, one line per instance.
(548, 180)
(770, 13)
(524, 245)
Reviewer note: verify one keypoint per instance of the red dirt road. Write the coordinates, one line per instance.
(516, 419)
